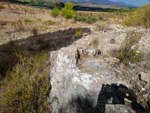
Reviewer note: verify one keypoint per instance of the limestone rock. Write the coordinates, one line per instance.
(110, 108)
(69, 82)
(145, 76)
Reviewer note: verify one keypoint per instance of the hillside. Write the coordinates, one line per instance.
(70, 61)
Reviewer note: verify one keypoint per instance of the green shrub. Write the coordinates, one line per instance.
(67, 11)
(27, 86)
(100, 18)
(55, 12)
(128, 51)
(88, 19)
(78, 32)
(140, 17)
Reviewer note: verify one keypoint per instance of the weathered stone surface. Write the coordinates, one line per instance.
(78, 73)
(110, 108)
(145, 76)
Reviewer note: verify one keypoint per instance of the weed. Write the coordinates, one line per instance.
(128, 51)
(102, 27)
(39, 19)
(78, 32)
(100, 18)
(28, 20)
(95, 42)
(43, 44)
(35, 31)
(14, 51)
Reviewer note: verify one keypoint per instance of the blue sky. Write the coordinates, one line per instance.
(133, 2)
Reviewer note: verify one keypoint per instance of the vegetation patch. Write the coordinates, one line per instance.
(95, 42)
(28, 20)
(78, 32)
(67, 11)
(55, 12)
(27, 86)
(48, 22)
(1, 7)
(88, 19)
(140, 17)
(13, 51)
(129, 49)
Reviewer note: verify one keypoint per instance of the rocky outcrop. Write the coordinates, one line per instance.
(85, 79)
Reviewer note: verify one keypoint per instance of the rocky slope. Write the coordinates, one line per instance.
(85, 78)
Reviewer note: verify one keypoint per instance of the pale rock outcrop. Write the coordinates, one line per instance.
(79, 71)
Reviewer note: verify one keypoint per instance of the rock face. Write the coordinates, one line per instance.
(73, 78)
(81, 75)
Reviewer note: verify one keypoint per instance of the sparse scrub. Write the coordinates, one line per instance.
(28, 20)
(88, 19)
(43, 44)
(35, 31)
(27, 86)
(48, 22)
(102, 27)
(128, 52)
(39, 19)
(67, 11)
(1, 7)
(100, 18)
(140, 17)
(78, 32)
(95, 42)
(14, 51)
(55, 12)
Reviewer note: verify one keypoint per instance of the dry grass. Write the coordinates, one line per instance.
(102, 27)
(95, 42)
(141, 17)
(78, 32)
(31, 95)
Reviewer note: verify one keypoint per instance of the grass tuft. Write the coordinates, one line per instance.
(78, 32)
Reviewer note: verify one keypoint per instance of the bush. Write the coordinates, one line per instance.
(27, 87)
(88, 19)
(140, 17)
(100, 18)
(55, 12)
(78, 32)
(128, 51)
(67, 11)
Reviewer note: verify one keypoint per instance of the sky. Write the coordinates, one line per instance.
(133, 2)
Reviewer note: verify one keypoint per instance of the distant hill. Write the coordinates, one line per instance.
(97, 2)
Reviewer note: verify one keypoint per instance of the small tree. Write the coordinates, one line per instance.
(67, 11)
(55, 12)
